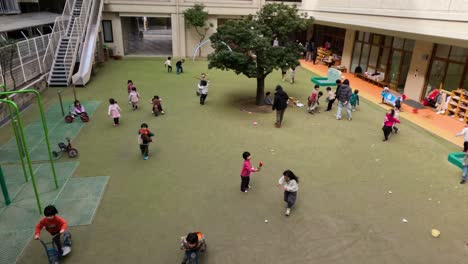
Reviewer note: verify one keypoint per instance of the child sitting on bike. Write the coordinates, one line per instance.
(78, 109)
(192, 244)
(54, 224)
(157, 105)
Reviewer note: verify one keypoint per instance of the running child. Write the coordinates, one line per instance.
(133, 98)
(204, 91)
(179, 68)
(54, 224)
(192, 244)
(465, 168)
(157, 106)
(354, 100)
(202, 78)
(168, 64)
(397, 116)
(129, 86)
(464, 133)
(144, 139)
(293, 74)
(114, 111)
(389, 121)
(330, 98)
(246, 171)
(313, 99)
(289, 182)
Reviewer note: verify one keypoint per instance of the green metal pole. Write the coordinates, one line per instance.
(4, 188)
(18, 141)
(31, 171)
(44, 125)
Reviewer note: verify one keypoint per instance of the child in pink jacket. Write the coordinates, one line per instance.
(389, 121)
(247, 169)
(114, 111)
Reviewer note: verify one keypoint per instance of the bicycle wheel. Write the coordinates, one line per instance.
(72, 153)
(68, 119)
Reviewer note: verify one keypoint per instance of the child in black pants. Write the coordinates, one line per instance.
(247, 169)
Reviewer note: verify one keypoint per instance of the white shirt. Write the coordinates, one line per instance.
(203, 89)
(290, 186)
(168, 63)
(464, 133)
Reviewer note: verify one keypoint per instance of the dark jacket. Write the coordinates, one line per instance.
(344, 93)
(281, 100)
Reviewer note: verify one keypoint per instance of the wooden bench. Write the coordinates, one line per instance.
(374, 82)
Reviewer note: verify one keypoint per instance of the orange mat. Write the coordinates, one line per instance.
(441, 125)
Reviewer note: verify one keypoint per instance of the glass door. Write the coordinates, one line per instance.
(394, 71)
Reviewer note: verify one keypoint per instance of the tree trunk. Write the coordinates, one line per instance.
(260, 91)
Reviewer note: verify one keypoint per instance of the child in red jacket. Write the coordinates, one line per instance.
(247, 169)
(54, 224)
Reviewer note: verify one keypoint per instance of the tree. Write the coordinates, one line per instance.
(196, 17)
(251, 38)
(7, 52)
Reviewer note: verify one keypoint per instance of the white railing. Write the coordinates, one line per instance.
(27, 62)
(76, 35)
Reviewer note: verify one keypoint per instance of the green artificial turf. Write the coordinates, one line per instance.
(344, 212)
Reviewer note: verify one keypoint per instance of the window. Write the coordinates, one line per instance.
(449, 68)
(107, 31)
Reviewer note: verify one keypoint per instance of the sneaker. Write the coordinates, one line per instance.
(244, 191)
(396, 130)
(162, 112)
(338, 118)
(384, 139)
(350, 118)
(462, 181)
(145, 157)
(288, 211)
(249, 187)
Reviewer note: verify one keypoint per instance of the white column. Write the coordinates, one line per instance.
(178, 36)
(420, 61)
(347, 55)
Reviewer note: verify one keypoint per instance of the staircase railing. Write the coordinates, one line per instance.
(59, 30)
(76, 35)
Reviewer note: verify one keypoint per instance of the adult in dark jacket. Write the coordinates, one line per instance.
(280, 104)
(343, 95)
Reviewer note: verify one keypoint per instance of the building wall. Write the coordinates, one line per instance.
(348, 48)
(117, 45)
(193, 39)
(428, 9)
(418, 69)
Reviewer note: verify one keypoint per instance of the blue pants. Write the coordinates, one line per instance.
(347, 107)
(179, 69)
(465, 172)
(191, 255)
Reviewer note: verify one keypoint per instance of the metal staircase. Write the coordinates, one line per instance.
(74, 19)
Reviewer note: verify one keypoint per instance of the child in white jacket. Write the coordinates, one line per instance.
(289, 182)
(134, 97)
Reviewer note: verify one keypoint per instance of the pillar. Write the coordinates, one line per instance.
(178, 35)
(347, 55)
(419, 66)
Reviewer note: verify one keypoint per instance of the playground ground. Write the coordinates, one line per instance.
(344, 214)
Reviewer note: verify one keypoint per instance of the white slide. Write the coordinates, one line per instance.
(89, 46)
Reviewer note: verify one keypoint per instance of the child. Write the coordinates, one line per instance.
(134, 97)
(289, 181)
(129, 86)
(178, 65)
(114, 111)
(268, 99)
(78, 109)
(168, 65)
(247, 169)
(283, 74)
(202, 78)
(54, 224)
(192, 244)
(330, 98)
(157, 106)
(204, 91)
(313, 99)
(354, 100)
(464, 133)
(389, 121)
(144, 139)
(465, 168)
(293, 74)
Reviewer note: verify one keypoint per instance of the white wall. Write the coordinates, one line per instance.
(348, 49)
(193, 39)
(117, 45)
(429, 9)
(420, 61)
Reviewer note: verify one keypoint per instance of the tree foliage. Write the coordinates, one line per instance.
(251, 38)
(196, 17)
